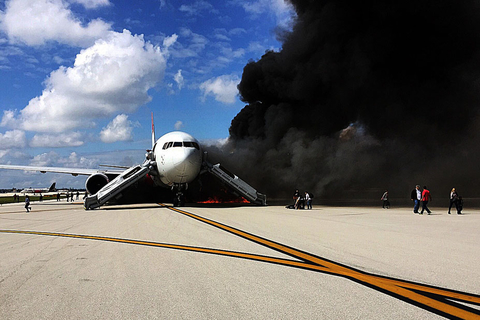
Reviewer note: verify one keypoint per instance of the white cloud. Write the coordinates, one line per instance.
(12, 139)
(53, 159)
(8, 119)
(169, 41)
(120, 129)
(196, 44)
(197, 7)
(92, 4)
(75, 161)
(179, 79)
(73, 139)
(256, 47)
(35, 22)
(197, 41)
(283, 10)
(112, 76)
(178, 125)
(219, 143)
(224, 88)
(45, 159)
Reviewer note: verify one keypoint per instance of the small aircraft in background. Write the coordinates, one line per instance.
(174, 161)
(40, 190)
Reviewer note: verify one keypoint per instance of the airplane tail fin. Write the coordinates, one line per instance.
(52, 187)
(153, 133)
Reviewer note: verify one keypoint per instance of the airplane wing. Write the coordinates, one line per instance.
(72, 171)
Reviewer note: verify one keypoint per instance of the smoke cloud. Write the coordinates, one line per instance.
(367, 95)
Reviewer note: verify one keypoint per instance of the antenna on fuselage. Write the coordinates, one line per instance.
(153, 133)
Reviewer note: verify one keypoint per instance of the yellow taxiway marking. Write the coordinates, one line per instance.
(427, 297)
(438, 300)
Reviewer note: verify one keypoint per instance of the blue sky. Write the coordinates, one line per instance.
(79, 78)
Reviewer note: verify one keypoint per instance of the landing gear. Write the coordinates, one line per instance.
(179, 200)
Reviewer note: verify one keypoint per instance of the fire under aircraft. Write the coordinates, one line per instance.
(175, 161)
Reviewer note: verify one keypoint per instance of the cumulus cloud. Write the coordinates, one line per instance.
(112, 76)
(53, 159)
(8, 119)
(76, 161)
(223, 88)
(120, 129)
(178, 125)
(12, 139)
(47, 159)
(73, 139)
(35, 22)
(93, 4)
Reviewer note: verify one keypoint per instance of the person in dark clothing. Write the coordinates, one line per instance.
(416, 197)
(459, 205)
(27, 203)
(296, 195)
(386, 203)
(453, 200)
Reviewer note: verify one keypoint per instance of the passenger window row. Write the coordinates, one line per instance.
(186, 144)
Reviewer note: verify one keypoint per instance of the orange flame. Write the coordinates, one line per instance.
(219, 200)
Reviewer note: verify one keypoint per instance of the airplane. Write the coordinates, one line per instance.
(40, 190)
(175, 161)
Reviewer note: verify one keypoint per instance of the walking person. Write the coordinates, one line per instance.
(27, 203)
(296, 195)
(425, 198)
(453, 200)
(459, 205)
(384, 198)
(308, 200)
(416, 197)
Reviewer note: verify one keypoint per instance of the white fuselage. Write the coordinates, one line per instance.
(179, 158)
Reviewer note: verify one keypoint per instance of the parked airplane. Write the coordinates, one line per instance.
(40, 190)
(175, 161)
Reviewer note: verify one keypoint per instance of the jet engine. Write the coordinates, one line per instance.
(95, 182)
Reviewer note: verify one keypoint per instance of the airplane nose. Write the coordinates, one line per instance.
(187, 164)
(187, 156)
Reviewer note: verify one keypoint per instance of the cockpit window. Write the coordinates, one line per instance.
(189, 144)
(186, 144)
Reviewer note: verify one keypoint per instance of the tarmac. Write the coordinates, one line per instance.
(212, 261)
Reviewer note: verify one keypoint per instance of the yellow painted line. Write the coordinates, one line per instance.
(431, 303)
(250, 256)
(394, 286)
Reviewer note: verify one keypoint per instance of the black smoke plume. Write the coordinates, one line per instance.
(363, 95)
